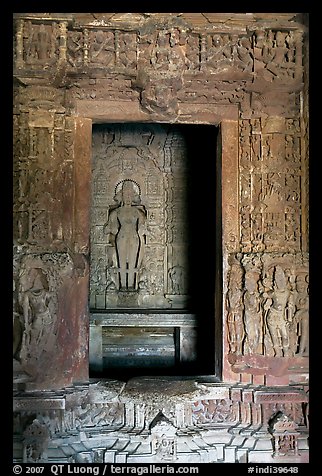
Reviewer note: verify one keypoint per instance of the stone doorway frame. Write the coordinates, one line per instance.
(226, 119)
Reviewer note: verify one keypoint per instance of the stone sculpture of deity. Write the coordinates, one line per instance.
(126, 230)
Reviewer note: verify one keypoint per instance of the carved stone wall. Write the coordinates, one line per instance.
(243, 70)
(77, 179)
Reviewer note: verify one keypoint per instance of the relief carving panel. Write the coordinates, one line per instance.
(40, 43)
(38, 284)
(138, 256)
(214, 411)
(274, 55)
(267, 305)
(44, 288)
(42, 177)
(271, 181)
(163, 57)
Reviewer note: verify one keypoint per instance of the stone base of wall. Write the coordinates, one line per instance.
(161, 420)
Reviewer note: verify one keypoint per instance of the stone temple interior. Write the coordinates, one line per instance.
(160, 254)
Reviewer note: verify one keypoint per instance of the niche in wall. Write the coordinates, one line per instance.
(155, 236)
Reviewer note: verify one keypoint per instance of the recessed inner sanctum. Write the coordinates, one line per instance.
(152, 256)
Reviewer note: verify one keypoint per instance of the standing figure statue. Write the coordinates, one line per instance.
(253, 314)
(235, 308)
(126, 230)
(301, 318)
(36, 313)
(279, 310)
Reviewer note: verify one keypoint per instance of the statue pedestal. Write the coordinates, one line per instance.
(129, 339)
(127, 298)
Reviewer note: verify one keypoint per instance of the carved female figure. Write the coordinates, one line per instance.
(36, 312)
(301, 317)
(278, 317)
(127, 232)
(235, 307)
(253, 314)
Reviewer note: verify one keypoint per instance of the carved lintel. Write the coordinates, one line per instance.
(158, 93)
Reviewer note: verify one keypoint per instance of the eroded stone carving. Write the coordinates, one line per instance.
(36, 438)
(38, 301)
(227, 52)
(41, 185)
(160, 419)
(40, 42)
(276, 55)
(17, 311)
(102, 47)
(253, 316)
(97, 415)
(300, 322)
(271, 163)
(36, 309)
(40, 281)
(158, 94)
(267, 305)
(75, 53)
(235, 307)
(270, 177)
(285, 435)
(163, 438)
(278, 307)
(163, 56)
(214, 411)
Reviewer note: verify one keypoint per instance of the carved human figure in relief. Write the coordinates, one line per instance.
(127, 50)
(127, 232)
(17, 324)
(177, 279)
(253, 314)
(102, 47)
(301, 317)
(235, 307)
(279, 313)
(36, 312)
(102, 280)
(75, 48)
(39, 43)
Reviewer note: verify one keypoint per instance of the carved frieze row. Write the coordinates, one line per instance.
(114, 422)
(273, 55)
(267, 304)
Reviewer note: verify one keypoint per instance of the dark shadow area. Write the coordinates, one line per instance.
(201, 158)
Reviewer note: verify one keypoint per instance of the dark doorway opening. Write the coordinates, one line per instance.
(165, 323)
